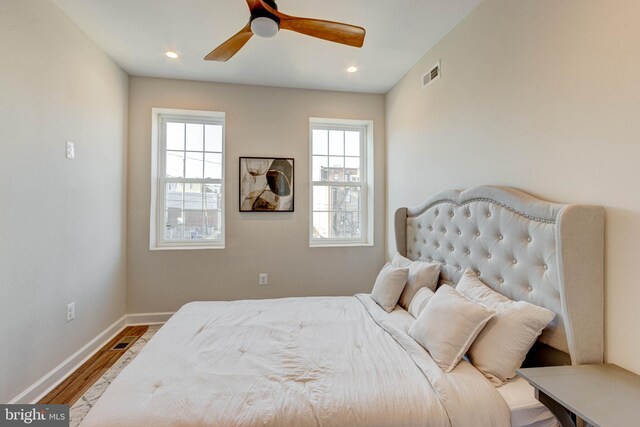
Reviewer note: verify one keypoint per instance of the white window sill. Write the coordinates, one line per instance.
(339, 244)
(183, 248)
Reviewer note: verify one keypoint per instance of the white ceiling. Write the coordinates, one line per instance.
(136, 33)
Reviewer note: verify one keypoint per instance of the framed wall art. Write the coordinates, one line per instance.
(266, 184)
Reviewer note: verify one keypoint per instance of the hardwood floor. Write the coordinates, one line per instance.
(72, 388)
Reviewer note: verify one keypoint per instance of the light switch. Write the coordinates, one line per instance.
(71, 150)
(71, 311)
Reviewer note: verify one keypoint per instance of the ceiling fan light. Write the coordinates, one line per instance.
(264, 27)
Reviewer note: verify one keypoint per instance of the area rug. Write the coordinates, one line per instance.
(80, 409)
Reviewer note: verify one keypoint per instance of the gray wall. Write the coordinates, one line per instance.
(62, 222)
(260, 121)
(542, 95)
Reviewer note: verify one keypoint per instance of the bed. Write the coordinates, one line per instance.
(336, 361)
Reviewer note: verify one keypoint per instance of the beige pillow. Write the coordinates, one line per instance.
(420, 299)
(448, 325)
(421, 274)
(503, 344)
(389, 285)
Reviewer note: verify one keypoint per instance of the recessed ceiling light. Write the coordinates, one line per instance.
(352, 69)
(171, 54)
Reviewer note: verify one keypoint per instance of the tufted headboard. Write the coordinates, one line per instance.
(525, 248)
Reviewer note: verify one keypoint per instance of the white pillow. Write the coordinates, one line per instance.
(389, 285)
(420, 299)
(421, 274)
(503, 344)
(448, 325)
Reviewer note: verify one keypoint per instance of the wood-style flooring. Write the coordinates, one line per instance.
(73, 387)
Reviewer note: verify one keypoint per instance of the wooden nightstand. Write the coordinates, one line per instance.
(600, 395)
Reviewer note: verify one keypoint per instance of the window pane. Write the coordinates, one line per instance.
(194, 222)
(173, 196)
(173, 224)
(321, 225)
(175, 164)
(193, 225)
(353, 211)
(193, 196)
(352, 168)
(213, 138)
(175, 136)
(355, 226)
(320, 168)
(195, 137)
(335, 172)
(352, 225)
(212, 228)
(336, 142)
(352, 162)
(213, 196)
(336, 162)
(341, 207)
(345, 225)
(320, 142)
(337, 221)
(320, 198)
(194, 165)
(213, 165)
(337, 198)
(352, 199)
(352, 143)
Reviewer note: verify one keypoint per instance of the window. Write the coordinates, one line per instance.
(341, 183)
(187, 209)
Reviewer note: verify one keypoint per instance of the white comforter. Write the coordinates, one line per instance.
(334, 361)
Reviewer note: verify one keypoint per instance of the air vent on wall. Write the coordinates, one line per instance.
(432, 75)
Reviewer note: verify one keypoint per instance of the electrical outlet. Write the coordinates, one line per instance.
(263, 279)
(71, 311)
(71, 150)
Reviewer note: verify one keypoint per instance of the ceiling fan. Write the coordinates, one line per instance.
(266, 21)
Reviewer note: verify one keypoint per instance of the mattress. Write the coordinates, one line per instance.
(330, 361)
(526, 410)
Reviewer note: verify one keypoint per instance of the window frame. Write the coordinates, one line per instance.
(160, 116)
(365, 127)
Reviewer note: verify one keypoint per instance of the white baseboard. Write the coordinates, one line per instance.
(148, 318)
(49, 381)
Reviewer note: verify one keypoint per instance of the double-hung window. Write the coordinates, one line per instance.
(341, 182)
(187, 209)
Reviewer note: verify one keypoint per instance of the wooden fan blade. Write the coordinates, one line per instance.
(337, 32)
(229, 48)
(327, 30)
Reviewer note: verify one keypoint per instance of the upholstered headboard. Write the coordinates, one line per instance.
(527, 249)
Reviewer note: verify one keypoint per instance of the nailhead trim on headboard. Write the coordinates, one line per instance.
(532, 218)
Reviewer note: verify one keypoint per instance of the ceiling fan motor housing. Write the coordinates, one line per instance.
(261, 12)
(263, 22)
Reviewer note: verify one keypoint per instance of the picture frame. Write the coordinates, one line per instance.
(266, 184)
